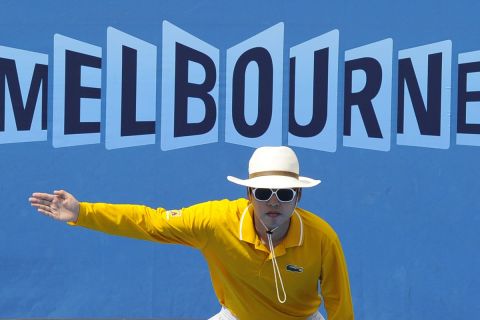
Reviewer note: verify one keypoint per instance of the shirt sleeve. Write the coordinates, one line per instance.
(334, 282)
(188, 226)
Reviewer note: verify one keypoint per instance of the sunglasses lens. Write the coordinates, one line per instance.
(262, 194)
(285, 194)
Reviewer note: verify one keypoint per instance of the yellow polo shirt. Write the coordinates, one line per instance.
(240, 264)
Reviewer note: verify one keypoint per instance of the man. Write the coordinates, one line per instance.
(266, 256)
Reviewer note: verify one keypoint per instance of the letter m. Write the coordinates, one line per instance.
(19, 120)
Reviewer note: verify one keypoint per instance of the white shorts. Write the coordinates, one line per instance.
(225, 314)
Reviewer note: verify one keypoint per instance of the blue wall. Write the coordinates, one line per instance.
(408, 218)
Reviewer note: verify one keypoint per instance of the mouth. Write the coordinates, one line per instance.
(272, 214)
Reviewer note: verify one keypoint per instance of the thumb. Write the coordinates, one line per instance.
(61, 193)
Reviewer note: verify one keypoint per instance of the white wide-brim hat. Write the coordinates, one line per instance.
(274, 168)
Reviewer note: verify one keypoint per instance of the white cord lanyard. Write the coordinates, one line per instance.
(276, 270)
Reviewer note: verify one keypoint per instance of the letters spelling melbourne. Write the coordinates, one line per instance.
(24, 91)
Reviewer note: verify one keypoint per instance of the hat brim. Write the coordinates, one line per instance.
(275, 182)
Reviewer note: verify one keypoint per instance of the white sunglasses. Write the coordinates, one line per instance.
(283, 195)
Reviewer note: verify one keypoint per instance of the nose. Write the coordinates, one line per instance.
(273, 201)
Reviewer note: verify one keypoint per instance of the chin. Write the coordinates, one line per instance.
(273, 223)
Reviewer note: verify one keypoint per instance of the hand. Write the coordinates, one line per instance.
(60, 205)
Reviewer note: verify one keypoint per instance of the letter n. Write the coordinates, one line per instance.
(424, 82)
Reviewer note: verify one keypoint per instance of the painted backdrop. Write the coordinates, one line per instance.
(157, 102)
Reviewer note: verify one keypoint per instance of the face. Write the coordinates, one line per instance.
(273, 213)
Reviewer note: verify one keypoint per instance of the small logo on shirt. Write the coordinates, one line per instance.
(294, 268)
(173, 213)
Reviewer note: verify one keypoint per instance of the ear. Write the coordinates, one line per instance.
(249, 194)
(299, 194)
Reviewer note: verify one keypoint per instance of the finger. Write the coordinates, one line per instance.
(42, 207)
(61, 193)
(43, 196)
(39, 201)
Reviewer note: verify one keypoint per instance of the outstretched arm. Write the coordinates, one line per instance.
(189, 226)
(60, 205)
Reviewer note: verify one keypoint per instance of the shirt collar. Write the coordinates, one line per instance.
(247, 233)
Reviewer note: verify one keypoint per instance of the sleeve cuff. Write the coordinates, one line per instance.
(81, 213)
